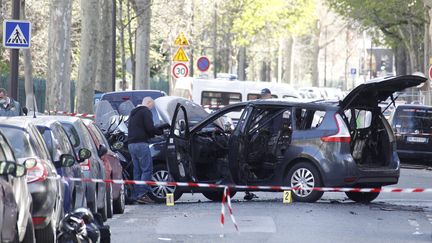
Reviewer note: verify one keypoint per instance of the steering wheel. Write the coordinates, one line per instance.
(218, 143)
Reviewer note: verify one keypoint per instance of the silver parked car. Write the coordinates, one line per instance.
(15, 198)
(58, 143)
(92, 167)
(43, 180)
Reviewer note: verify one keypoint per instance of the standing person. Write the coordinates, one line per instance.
(8, 106)
(266, 94)
(140, 130)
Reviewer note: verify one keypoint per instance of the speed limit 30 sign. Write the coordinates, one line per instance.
(180, 70)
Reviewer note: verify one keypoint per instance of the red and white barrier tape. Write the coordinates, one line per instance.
(244, 187)
(227, 198)
(70, 114)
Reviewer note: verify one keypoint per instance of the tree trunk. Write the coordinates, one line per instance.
(103, 80)
(241, 68)
(59, 56)
(413, 65)
(28, 71)
(122, 45)
(130, 41)
(287, 62)
(400, 60)
(142, 47)
(315, 54)
(88, 55)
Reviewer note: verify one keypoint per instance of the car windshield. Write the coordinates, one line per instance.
(73, 134)
(412, 120)
(19, 141)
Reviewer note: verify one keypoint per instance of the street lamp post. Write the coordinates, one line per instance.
(14, 56)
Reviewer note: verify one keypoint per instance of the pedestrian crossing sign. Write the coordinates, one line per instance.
(16, 34)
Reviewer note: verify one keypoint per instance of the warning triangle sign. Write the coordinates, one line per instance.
(181, 40)
(180, 56)
(16, 37)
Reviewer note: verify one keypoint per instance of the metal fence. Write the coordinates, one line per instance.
(39, 88)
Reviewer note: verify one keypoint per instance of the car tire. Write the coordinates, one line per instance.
(29, 236)
(158, 193)
(119, 203)
(362, 197)
(103, 210)
(92, 204)
(304, 174)
(109, 201)
(216, 196)
(46, 234)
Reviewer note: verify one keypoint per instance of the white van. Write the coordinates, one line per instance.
(217, 92)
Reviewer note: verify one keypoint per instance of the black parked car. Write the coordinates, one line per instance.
(412, 125)
(302, 145)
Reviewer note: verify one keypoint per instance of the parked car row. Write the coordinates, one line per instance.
(37, 158)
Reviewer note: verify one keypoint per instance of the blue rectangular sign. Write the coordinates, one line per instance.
(16, 34)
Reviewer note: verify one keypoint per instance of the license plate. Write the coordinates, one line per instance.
(417, 140)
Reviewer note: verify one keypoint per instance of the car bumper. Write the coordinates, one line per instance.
(414, 154)
(44, 196)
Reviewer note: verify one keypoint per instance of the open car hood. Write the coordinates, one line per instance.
(166, 105)
(371, 93)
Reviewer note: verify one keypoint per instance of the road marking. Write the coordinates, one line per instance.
(416, 225)
(131, 221)
(206, 224)
(165, 239)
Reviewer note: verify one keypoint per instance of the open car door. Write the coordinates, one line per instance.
(179, 159)
(238, 149)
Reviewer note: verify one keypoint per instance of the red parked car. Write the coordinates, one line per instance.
(113, 170)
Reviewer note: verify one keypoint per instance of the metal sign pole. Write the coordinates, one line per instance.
(14, 57)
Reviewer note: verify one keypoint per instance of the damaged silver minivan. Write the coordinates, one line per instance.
(299, 144)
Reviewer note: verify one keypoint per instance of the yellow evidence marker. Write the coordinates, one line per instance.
(170, 199)
(287, 198)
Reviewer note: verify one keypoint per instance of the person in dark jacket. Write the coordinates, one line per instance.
(9, 106)
(140, 130)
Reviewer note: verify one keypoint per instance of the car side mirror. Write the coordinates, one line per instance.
(30, 163)
(12, 168)
(67, 160)
(102, 150)
(83, 154)
(20, 170)
(117, 146)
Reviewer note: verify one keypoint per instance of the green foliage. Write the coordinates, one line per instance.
(391, 17)
(272, 18)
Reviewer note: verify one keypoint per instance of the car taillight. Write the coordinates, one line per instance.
(342, 135)
(85, 165)
(37, 173)
(38, 220)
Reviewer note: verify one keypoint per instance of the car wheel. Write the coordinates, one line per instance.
(128, 194)
(109, 201)
(362, 197)
(46, 234)
(103, 210)
(216, 196)
(120, 202)
(305, 177)
(158, 193)
(29, 236)
(91, 202)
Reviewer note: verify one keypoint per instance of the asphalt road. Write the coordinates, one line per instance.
(392, 217)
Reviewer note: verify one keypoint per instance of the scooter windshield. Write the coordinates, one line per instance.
(104, 116)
